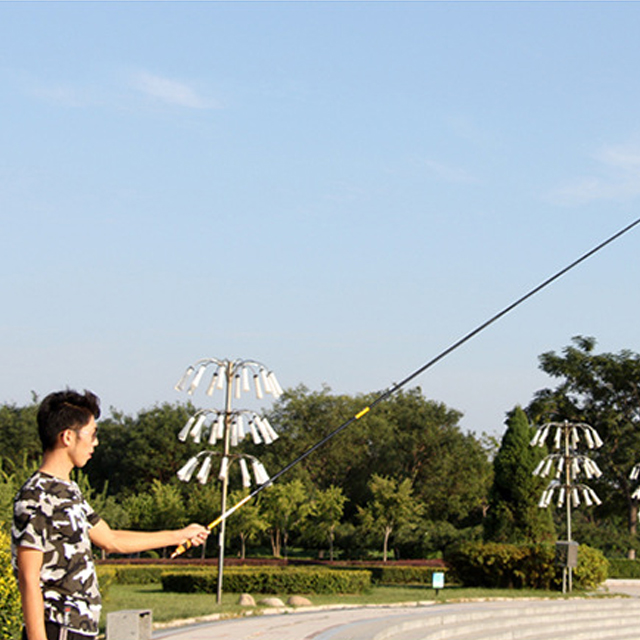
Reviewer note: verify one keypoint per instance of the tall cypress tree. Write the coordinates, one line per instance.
(514, 515)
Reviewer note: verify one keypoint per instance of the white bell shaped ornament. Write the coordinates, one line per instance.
(594, 496)
(635, 472)
(244, 470)
(575, 497)
(196, 431)
(256, 382)
(241, 430)
(557, 442)
(574, 437)
(589, 439)
(259, 472)
(184, 432)
(266, 383)
(254, 432)
(548, 462)
(205, 469)
(186, 472)
(179, 386)
(561, 496)
(575, 468)
(587, 498)
(596, 438)
(212, 434)
(245, 379)
(536, 438)
(538, 469)
(636, 494)
(238, 386)
(275, 385)
(221, 373)
(234, 433)
(560, 467)
(220, 426)
(272, 432)
(212, 385)
(224, 468)
(264, 432)
(196, 379)
(545, 498)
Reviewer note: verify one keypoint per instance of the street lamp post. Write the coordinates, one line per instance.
(228, 426)
(565, 467)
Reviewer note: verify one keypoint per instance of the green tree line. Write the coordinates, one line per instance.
(404, 482)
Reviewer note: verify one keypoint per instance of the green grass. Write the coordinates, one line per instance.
(179, 606)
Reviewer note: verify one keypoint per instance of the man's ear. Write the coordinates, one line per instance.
(66, 437)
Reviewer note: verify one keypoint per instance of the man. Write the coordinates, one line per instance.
(54, 527)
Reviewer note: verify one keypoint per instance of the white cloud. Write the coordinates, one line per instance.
(171, 91)
(449, 173)
(617, 177)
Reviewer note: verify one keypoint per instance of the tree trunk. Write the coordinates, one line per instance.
(633, 526)
(385, 545)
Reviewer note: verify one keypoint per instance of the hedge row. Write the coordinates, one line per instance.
(529, 566)
(624, 568)
(403, 574)
(269, 580)
(152, 573)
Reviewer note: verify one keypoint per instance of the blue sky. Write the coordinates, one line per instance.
(339, 190)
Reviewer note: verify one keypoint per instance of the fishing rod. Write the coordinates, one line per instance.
(398, 385)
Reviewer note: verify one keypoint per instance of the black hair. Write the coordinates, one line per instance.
(62, 410)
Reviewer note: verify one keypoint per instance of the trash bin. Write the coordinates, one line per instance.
(129, 624)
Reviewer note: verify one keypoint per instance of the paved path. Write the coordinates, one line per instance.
(331, 623)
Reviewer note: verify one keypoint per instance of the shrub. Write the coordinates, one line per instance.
(10, 609)
(624, 568)
(592, 569)
(269, 580)
(532, 566)
(402, 574)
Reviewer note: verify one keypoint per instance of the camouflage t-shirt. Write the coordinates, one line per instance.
(50, 515)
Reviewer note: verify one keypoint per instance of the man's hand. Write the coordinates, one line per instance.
(196, 534)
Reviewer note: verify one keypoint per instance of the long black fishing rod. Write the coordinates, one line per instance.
(398, 385)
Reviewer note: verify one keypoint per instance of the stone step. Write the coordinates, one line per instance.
(593, 619)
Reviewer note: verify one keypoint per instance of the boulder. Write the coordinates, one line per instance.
(246, 600)
(298, 601)
(271, 602)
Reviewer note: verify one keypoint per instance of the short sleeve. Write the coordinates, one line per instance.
(29, 525)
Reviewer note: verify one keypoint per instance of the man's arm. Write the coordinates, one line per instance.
(121, 541)
(29, 565)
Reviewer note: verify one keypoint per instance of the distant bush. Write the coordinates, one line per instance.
(528, 566)
(10, 609)
(395, 574)
(624, 568)
(269, 580)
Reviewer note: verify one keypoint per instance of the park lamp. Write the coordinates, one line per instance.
(204, 459)
(573, 431)
(238, 373)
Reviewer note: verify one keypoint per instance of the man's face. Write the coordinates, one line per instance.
(85, 441)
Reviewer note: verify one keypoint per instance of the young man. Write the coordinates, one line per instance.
(54, 527)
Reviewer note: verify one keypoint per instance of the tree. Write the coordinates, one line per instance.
(19, 441)
(408, 436)
(160, 508)
(285, 508)
(247, 523)
(392, 508)
(602, 390)
(514, 515)
(134, 452)
(327, 510)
